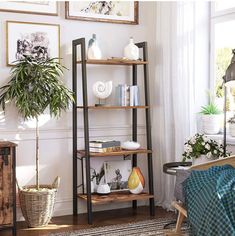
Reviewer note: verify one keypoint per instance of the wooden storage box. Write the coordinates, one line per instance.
(7, 186)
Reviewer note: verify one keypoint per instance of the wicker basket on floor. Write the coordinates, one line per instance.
(37, 206)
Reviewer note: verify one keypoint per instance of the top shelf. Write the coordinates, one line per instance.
(115, 62)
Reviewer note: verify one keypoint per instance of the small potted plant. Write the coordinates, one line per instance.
(34, 86)
(211, 118)
(200, 148)
(231, 122)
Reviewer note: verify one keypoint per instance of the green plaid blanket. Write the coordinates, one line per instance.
(210, 201)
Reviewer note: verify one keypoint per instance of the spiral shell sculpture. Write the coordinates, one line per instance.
(102, 90)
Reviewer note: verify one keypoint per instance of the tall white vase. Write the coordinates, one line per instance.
(131, 51)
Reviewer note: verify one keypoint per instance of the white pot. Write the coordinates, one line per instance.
(200, 160)
(232, 129)
(211, 124)
(131, 51)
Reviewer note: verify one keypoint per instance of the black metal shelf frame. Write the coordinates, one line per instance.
(81, 43)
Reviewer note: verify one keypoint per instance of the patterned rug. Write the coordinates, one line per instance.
(141, 228)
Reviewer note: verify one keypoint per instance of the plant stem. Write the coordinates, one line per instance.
(37, 155)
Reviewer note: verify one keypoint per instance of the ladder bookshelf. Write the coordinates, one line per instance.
(86, 155)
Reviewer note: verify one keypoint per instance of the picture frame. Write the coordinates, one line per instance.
(117, 174)
(30, 7)
(124, 12)
(38, 39)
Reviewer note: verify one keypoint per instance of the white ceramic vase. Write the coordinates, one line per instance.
(94, 51)
(211, 124)
(131, 51)
(232, 129)
(200, 160)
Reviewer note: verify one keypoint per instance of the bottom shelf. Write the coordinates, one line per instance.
(123, 196)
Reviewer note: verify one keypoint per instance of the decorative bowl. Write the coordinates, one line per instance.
(130, 145)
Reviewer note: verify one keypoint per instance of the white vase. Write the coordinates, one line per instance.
(94, 51)
(232, 129)
(202, 159)
(131, 51)
(211, 124)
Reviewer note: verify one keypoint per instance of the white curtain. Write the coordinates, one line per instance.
(181, 78)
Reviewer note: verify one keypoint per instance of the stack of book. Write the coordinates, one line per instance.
(127, 95)
(104, 146)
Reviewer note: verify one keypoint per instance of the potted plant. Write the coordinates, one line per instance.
(211, 118)
(200, 148)
(34, 86)
(231, 122)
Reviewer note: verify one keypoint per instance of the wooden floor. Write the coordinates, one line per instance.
(70, 223)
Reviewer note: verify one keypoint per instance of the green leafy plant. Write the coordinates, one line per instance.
(211, 108)
(199, 145)
(35, 86)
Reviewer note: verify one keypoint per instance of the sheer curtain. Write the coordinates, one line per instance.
(181, 78)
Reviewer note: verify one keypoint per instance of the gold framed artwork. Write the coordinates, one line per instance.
(125, 12)
(30, 7)
(36, 39)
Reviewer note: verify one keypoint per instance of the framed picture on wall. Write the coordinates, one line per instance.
(36, 39)
(30, 7)
(125, 12)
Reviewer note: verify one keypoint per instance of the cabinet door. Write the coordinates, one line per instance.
(6, 190)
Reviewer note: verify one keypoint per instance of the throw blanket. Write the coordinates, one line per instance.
(210, 201)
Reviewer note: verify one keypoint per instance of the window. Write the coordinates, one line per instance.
(222, 43)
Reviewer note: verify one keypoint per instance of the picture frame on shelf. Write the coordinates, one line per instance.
(123, 12)
(30, 7)
(37, 39)
(117, 174)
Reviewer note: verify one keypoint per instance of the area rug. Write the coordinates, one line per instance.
(141, 228)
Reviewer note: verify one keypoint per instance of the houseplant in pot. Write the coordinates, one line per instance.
(211, 118)
(231, 122)
(200, 149)
(34, 86)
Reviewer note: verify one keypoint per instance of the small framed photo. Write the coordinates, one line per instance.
(117, 174)
(30, 7)
(36, 39)
(125, 12)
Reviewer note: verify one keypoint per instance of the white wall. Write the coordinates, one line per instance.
(56, 135)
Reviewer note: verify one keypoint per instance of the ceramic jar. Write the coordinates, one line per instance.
(131, 51)
(136, 181)
(211, 124)
(93, 51)
(232, 129)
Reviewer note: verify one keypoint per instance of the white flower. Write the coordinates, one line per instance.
(207, 146)
(215, 152)
(205, 139)
(203, 143)
(193, 140)
(209, 155)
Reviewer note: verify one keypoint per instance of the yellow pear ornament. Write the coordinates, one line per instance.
(136, 181)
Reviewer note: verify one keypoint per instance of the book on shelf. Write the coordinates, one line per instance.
(104, 143)
(127, 95)
(103, 150)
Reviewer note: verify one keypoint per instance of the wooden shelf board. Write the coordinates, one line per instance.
(115, 62)
(119, 153)
(124, 196)
(113, 107)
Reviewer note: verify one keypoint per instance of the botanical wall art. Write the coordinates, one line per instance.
(31, 7)
(105, 11)
(36, 39)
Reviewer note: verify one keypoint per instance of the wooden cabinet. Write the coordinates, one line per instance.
(7, 187)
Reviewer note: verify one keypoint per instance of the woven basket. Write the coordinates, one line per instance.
(37, 206)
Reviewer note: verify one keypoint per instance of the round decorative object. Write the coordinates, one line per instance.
(103, 189)
(136, 181)
(102, 90)
(211, 124)
(130, 145)
(131, 51)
